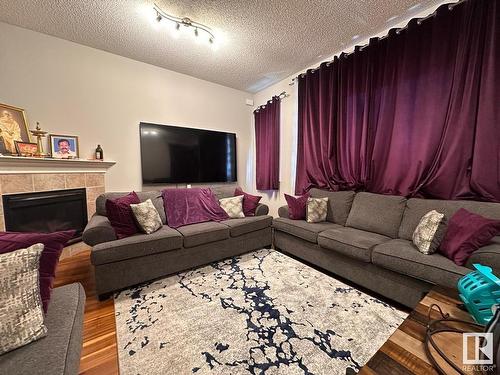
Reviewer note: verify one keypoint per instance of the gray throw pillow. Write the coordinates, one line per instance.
(21, 313)
(430, 232)
(317, 209)
(233, 206)
(146, 216)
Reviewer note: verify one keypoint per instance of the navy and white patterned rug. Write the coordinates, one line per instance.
(259, 313)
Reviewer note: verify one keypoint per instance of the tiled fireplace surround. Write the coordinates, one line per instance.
(93, 182)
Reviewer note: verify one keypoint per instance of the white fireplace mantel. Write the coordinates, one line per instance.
(18, 164)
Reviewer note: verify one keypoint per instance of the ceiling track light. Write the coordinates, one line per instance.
(185, 21)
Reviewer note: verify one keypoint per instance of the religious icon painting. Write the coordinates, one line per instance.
(13, 128)
(26, 148)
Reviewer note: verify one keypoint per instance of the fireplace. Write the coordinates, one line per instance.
(48, 211)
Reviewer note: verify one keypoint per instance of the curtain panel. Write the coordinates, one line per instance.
(267, 140)
(414, 114)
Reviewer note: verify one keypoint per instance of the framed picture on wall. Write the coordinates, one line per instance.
(64, 146)
(13, 127)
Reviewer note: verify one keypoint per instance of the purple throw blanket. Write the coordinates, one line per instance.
(190, 206)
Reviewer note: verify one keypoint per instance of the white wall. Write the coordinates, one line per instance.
(76, 90)
(288, 150)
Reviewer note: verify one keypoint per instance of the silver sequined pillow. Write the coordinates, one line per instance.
(233, 206)
(147, 216)
(21, 314)
(429, 232)
(316, 210)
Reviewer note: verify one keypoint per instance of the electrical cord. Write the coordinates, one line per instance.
(431, 330)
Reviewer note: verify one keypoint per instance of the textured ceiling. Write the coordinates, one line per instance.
(259, 42)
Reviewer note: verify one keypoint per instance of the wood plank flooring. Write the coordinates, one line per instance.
(99, 354)
(404, 352)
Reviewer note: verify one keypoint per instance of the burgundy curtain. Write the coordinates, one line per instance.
(267, 140)
(414, 114)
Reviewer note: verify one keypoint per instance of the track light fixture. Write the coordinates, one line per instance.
(185, 21)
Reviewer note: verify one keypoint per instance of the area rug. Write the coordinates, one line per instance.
(259, 313)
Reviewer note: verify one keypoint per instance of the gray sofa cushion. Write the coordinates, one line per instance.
(403, 257)
(352, 242)
(202, 233)
(164, 239)
(157, 200)
(339, 204)
(416, 208)
(98, 230)
(303, 229)
(237, 227)
(154, 195)
(377, 213)
(488, 255)
(224, 191)
(118, 275)
(57, 353)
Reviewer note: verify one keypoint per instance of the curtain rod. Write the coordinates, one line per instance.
(361, 48)
(280, 96)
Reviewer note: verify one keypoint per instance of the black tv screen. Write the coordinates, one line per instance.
(172, 154)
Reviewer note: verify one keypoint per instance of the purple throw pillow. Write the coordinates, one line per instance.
(120, 214)
(53, 245)
(297, 206)
(190, 206)
(250, 202)
(466, 233)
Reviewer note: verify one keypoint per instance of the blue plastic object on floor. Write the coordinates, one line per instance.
(480, 290)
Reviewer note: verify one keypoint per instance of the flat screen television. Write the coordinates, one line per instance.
(172, 154)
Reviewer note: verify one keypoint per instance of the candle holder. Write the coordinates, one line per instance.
(39, 134)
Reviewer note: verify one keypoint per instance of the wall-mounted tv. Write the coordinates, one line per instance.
(173, 154)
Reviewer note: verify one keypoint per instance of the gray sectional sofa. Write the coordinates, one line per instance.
(139, 258)
(58, 353)
(367, 239)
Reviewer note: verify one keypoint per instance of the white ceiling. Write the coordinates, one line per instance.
(259, 43)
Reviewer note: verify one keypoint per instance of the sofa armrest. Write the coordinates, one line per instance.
(59, 352)
(261, 210)
(488, 255)
(283, 212)
(98, 230)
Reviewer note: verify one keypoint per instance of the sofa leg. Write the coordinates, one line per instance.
(104, 296)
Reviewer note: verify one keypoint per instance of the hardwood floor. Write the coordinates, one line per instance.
(404, 352)
(99, 354)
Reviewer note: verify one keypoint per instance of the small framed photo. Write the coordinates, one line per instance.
(26, 148)
(64, 146)
(13, 127)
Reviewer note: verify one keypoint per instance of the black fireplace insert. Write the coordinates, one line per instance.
(46, 212)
